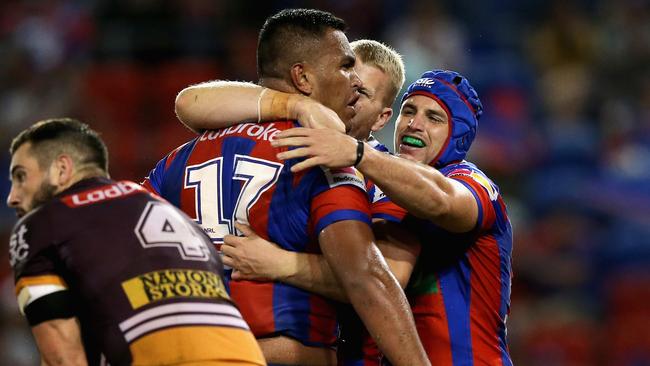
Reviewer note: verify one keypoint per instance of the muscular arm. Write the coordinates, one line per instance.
(421, 190)
(59, 342)
(374, 293)
(255, 258)
(399, 248)
(313, 273)
(220, 104)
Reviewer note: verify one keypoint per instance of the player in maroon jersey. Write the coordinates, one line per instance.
(107, 272)
(299, 54)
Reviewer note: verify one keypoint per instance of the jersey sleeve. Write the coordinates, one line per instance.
(153, 181)
(41, 290)
(485, 192)
(341, 195)
(381, 207)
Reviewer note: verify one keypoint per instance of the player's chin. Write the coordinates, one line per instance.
(410, 153)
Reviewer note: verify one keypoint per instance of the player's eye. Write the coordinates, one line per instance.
(348, 63)
(435, 118)
(19, 177)
(407, 112)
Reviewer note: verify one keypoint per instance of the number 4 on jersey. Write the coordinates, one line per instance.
(212, 183)
(163, 226)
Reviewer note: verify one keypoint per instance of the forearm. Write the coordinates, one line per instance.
(59, 342)
(422, 191)
(374, 292)
(219, 104)
(380, 303)
(312, 273)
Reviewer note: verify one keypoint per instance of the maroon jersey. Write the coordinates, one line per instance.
(146, 283)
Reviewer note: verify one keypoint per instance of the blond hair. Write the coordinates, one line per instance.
(384, 58)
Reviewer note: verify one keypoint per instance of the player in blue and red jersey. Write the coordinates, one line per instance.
(382, 72)
(233, 175)
(460, 288)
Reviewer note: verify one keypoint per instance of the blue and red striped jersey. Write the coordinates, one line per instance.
(460, 288)
(232, 174)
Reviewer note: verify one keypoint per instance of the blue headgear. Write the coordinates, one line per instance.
(454, 94)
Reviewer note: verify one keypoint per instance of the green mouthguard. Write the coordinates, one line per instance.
(413, 141)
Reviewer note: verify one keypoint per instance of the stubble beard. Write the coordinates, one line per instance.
(44, 194)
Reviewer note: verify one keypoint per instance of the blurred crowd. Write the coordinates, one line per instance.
(565, 133)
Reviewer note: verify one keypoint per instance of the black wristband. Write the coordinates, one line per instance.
(359, 152)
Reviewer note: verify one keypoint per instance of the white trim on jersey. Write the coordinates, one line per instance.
(177, 320)
(187, 313)
(29, 294)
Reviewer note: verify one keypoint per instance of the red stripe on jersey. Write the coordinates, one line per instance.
(258, 215)
(322, 319)
(489, 215)
(485, 300)
(255, 302)
(387, 207)
(431, 323)
(335, 199)
(172, 156)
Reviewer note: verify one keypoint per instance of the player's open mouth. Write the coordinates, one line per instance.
(413, 141)
(353, 99)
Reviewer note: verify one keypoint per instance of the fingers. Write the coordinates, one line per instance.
(227, 261)
(231, 240)
(305, 164)
(235, 275)
(300, 152)
(291, 141)
(245, 230)
(228, 249)
(294, 132)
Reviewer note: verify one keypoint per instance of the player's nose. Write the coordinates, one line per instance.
(13, 198)
(356, 80)
(416, 123)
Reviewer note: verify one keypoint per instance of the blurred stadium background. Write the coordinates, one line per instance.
(566, 131)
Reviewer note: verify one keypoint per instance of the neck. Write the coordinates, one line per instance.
(81, 174)
(278, 84)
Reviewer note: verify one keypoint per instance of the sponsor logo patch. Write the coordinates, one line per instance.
(479, 178)
(173, 283)
(257, 131)
(104, 193)
(424, 82)
(344, 176)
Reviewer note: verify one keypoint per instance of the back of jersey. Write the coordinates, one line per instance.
(146, 283)
(233, 175)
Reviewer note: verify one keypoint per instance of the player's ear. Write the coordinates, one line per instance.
(382, 119)
(301, 78)
(62, 170)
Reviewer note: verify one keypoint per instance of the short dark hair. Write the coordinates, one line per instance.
(285, 39)
(51, 137)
